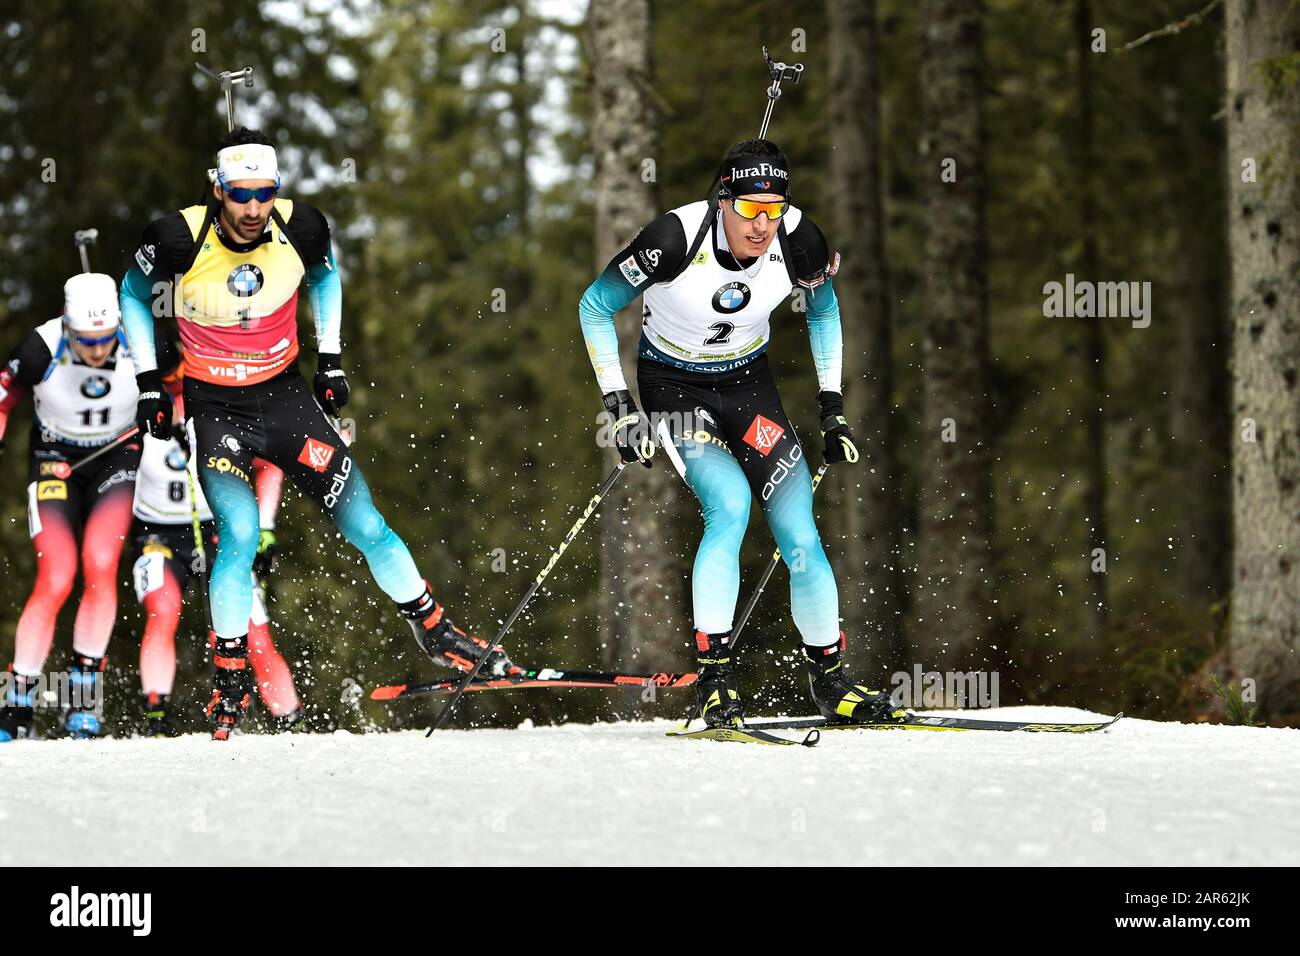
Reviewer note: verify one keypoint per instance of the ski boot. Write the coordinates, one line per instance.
(232, 685)
(717, 696)
(156, 713)
(447, 644)
(839, 699)
(81, 715)
(17, 712)
(285, 723)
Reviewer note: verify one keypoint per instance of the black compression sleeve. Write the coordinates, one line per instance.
(29, 362)
(164, 248)
(809, 249)
(310, 232)
(653, 255)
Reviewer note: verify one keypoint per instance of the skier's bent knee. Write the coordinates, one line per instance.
(367, 531)
(730, 511)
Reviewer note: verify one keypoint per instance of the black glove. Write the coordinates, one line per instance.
(330, 384)
(153, 412)
(631, 429)
(182, 436)
(264, 560)
(838, 439)
(2, 447)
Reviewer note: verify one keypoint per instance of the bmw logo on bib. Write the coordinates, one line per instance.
(176, 459)
(732, 297)
(95, 386)
(244, 281)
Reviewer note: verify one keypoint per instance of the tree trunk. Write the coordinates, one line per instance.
(641, 622)
(1200, 414)
(954, 587)
(863, 500)
(1093, 352)
(1264, 216)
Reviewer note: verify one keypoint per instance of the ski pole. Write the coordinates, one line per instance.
(120, 439)
(758, 592)
(227, 80)
(592, 505)
(200, 549)
(778, 71)
(85, 238)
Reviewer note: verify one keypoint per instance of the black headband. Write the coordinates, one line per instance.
(743, 175)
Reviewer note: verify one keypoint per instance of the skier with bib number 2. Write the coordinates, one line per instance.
(711, 272)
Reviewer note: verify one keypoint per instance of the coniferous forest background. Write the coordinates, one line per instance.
(1104, 511)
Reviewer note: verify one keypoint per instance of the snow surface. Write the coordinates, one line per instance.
(1141, 793)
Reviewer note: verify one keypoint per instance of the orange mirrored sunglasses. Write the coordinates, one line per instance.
(750, 208)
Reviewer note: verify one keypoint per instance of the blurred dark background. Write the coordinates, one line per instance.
(477, 161)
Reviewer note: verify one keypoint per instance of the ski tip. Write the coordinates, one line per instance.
(387, 693)
(746, 735)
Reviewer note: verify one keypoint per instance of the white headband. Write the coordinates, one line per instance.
(252, 161)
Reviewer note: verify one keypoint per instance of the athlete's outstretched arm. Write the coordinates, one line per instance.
(656, 250)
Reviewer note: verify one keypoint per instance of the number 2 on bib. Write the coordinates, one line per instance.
(721, 333)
